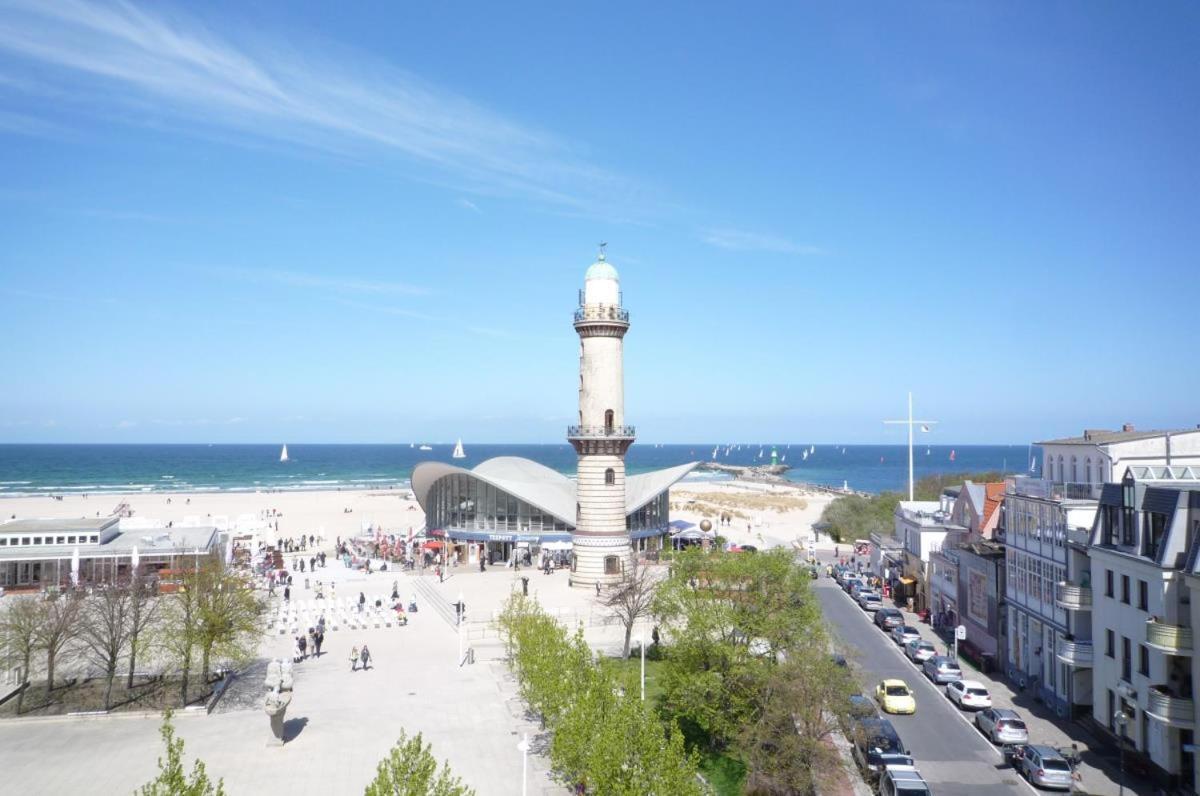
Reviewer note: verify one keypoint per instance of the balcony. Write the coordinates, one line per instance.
(601, 432)
(1174, 711)
(1171, 639)
(1072, 597)
(1053, 490)
(602, 312)
(1075, 653)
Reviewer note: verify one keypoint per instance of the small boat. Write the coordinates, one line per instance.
(804, 455)
(812, 450)
(760, 453)
(412, 445)
(425, 448)
(283, 457)
(951, 455)
(926, 450)
(714, 454)
(784, 459)
(458, 450)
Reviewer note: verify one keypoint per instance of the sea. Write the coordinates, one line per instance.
(98, 469)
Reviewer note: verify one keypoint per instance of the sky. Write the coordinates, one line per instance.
(368, 222)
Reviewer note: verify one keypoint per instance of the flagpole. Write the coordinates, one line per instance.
(910, 422)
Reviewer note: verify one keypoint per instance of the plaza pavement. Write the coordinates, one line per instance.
(340, 723)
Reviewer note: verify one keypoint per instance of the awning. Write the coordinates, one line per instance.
(908, 581)
(434, 545)
(681, 525)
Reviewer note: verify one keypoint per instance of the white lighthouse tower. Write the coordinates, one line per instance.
(601, 541)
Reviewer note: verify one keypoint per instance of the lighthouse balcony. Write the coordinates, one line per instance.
(601, 432)
(608, 313)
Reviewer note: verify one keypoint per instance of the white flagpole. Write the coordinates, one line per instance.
(910, 422)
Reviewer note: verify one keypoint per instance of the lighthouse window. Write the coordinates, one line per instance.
(612, 565)
(610, 476)
(608, 420)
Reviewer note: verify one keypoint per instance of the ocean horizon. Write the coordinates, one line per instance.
(121, 468)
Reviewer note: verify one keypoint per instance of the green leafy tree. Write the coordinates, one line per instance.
(410, 769)
(229, 615)
(171, 779)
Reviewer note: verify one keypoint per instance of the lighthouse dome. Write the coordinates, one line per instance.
(601, 269)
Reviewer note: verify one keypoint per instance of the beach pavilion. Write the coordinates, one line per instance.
(508, 504)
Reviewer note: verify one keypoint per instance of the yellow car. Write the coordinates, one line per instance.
(894, 696)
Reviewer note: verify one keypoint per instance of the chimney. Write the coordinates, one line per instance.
(1127, 427)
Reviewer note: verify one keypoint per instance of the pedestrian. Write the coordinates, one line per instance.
(354, 659)
(296, 652)
(302, 643)
(332, 590)
(441, 577)
(318, 640)
(362, 600)
(395, 590)
(312, 640)
(365, 655)
(312, 564)
(287, 592)
(302, 565)
(597, 588)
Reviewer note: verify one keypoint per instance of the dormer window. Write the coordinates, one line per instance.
(1128, 514)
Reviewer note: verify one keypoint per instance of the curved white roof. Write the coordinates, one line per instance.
(538, 485)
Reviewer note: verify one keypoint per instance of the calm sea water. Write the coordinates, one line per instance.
(42, 469)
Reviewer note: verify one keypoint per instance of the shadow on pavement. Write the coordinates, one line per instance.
(293, 727)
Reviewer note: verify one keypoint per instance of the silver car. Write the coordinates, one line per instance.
(919, 651)
(1045, 767)
(870, 600)
(1002, 725)
(941, 670)
(904, 634)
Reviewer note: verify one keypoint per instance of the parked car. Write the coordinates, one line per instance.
(872, 739)
(870, 600)
(904, 634)
(919, 651)
(1002, 725)
(902, 781)
(861, 707)
(968, 694)
(894, 696)
(1044, 767)
(941, 670)
(888, 618)
(854, 586)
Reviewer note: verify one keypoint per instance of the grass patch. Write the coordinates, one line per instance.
(724, 773)
(654, 671)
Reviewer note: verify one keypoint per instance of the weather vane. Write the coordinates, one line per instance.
(602, 246)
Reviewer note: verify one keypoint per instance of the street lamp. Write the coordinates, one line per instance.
(1122, 719)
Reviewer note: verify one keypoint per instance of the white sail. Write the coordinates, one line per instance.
(804, 455)
(714, 454)
(812, 450)
(426, 448)
(458, 450)
(283, 457)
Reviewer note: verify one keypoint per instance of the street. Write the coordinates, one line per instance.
(950, 753)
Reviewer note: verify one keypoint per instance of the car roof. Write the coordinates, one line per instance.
(1044, 751)
(972, 684)
(888, 683)
(1006, 713)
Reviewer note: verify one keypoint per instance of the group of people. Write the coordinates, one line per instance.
(290, 545)
(357, 655)
(312, 640)
(313, 561)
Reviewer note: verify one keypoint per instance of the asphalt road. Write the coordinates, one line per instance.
(951, 754)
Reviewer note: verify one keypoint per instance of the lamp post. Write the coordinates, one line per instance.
(642, 644)
(1121, 718)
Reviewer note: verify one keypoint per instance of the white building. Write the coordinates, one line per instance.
(1082, 464)
(1144, 548)
(921, 527)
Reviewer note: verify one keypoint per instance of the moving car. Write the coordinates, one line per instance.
(904, 634)
(1044, 767)
(902, 781)
(968, 694)
(870, 600)
(941, 670)
(919, 651)
(873, 739)
(1002, 725)
(888, 618)
(894, 696)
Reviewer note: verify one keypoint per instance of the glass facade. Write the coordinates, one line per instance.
(654, 515)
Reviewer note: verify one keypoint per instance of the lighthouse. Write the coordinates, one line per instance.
(601, 541)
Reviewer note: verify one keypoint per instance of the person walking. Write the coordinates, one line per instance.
(318, 640)
(302, 643)
(362, 600)
(354, 659)
(296, 650)
(395, 590)
(365, 655)
(287, 593)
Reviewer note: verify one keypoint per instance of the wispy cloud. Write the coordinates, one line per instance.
(304, 94)
(467, 204)
(740, 240)
(127, 424)
(197, 421)
(301, 279)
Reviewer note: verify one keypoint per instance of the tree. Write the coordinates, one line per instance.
(58, 627)
(179, 628)
(104, 631)
(19, 625)
(171, 780)
(229, 616)
(631, 599)
(787, 744)
(143, 614)
(410, 769)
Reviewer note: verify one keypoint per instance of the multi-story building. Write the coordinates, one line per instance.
(1145, 542)
(921, 526)
(1082, 464)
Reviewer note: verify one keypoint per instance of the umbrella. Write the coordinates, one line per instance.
(134, 559)
(434, 545)
(681, 525)
(75, 567)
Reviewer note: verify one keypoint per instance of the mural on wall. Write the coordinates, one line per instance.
(977, 596)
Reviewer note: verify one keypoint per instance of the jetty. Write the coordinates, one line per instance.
(771, 473)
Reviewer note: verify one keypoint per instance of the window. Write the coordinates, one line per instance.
(1112, 710)
(612, 565)
(1109, 643)
(70, 540)
(1108, 583)
(1156, 528)
(1088, 468)
(61, 540)
(610, 476)
(608, 420)
(1143, 660)
(1143, 595)
(1126, 659)
(1074, 470)
(1128, 498)
(1125, 589)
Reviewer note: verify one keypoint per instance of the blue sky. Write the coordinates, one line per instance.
(320, 222)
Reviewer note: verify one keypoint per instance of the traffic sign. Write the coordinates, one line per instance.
(960, 632)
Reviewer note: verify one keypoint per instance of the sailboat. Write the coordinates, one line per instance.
(951, 455)
(458, 450)
(926, 450)
(812, 450)
(804, 455)
(412, 444)
(283, 457)
(425, 448)
(714, 454)
(784, 459)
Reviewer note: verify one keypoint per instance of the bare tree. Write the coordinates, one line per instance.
(631, 599)
(104, 631)
(143, 613)
(19, 625)
(57, 629)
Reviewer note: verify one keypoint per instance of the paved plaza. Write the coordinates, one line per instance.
(340, 723)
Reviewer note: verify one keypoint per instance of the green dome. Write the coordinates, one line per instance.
(601, 269)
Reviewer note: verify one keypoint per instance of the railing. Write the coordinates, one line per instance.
(601, 312)
(1052, 490)
(1164, 706)
(1073, 597)
(1075, 653)
(1171, 639)
(604, 432)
